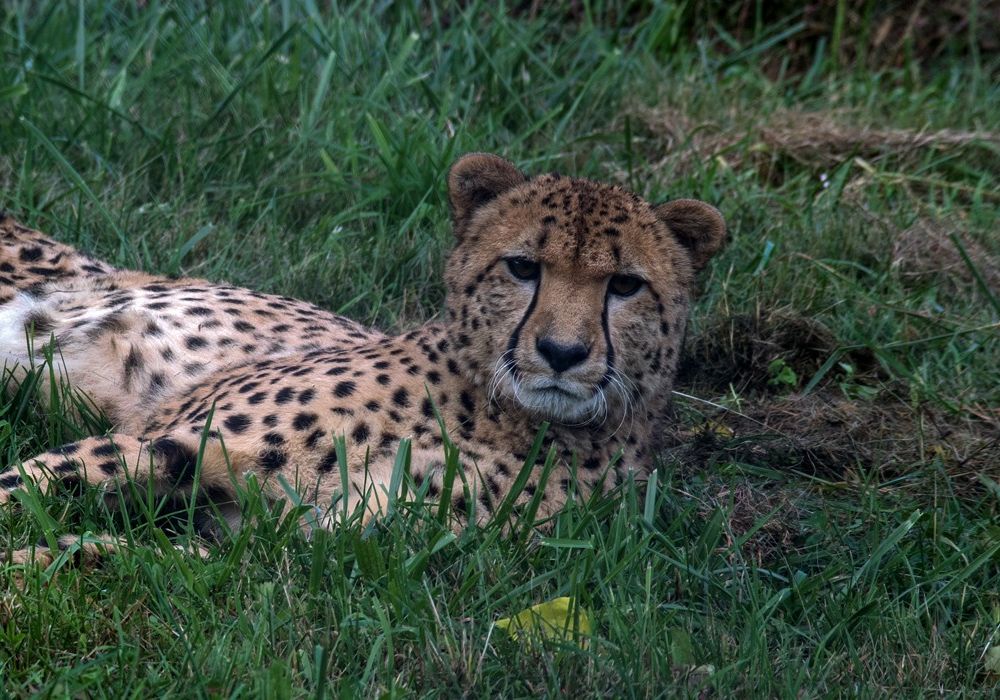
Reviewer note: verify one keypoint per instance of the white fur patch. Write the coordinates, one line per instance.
(13, 314)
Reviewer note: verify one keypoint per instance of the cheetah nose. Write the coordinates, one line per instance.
(561, 357)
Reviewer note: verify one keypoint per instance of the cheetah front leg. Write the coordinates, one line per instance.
(103, 462)
(169, 462)
(94, 460)
(83, 549)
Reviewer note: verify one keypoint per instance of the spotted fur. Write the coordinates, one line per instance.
(543, 324)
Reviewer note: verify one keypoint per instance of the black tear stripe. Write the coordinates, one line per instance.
(606, 379)
(516, 335)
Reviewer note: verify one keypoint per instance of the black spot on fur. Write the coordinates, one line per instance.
(157, 381)
(67, 467)
(112, 323)
(274, 439)
(9, 482)
(314, 437)
(236, 423)
(106, 449)
(39, 324)
(344, 389)
(360, 433)
(328, 462)
(30, 254)
(401, 397)
(273, 460)
(461, 507)
(177, 460)
(304, 421)
(133, 363)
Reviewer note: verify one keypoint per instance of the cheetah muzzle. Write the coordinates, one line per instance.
(567, 302)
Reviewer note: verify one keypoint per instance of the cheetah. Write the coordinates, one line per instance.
(567, 302)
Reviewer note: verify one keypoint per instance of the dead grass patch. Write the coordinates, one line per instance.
(814, 140)
(925, 254)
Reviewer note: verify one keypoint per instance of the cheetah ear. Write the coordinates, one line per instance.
(697, 226)
(477, 178)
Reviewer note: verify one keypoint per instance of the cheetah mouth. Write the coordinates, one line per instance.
(561, 401)
(562, 388)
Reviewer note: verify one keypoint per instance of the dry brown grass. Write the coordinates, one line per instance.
(925, 254)
(815, 140)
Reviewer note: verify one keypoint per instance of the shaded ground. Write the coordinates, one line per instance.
(846, 429)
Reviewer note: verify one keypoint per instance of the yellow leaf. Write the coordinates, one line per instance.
(992, 661)
(715, 428)
(560, 618)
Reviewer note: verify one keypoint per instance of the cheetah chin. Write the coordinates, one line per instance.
(559, 401)
(567, 303)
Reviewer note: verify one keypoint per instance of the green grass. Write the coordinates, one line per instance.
(302, 150)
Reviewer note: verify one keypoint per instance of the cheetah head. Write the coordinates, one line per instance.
(568, 298)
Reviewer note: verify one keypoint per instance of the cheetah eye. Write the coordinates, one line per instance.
(625, 285)
(523, 268)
